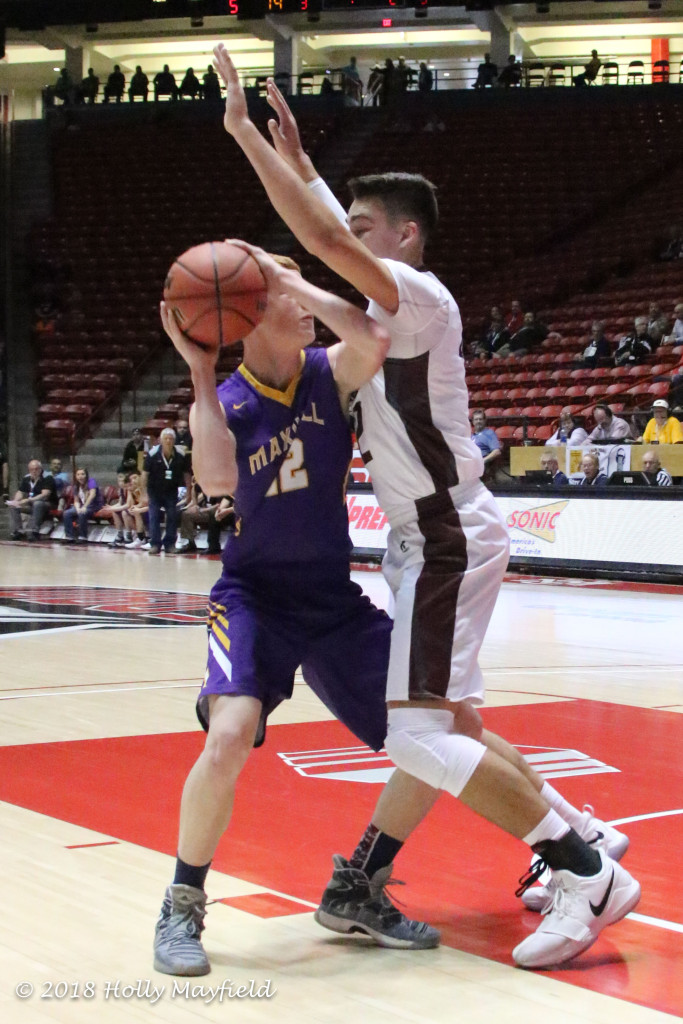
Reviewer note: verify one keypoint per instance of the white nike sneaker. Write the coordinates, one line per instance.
(137, 543)
(593, 830)
(580, 909)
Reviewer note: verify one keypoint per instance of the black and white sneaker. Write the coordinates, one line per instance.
(352, 902)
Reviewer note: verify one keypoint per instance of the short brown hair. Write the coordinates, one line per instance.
(401, 195)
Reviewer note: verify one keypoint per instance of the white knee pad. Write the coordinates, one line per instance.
(420, 742)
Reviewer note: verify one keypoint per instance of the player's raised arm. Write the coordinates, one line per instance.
(213, 449)
(316, 227)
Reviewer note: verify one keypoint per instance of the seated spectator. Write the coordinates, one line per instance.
(515, 318)
(597, 351)
(425, 78)
(511, 75)
(569, 430)
(608, 427)
(652, 468)
(190, 85)
(634, 348)
(486, 440)
(674, 247)
(662, 428)
(116, 85)
(487, 73)
(87, 500)
(211, 86)
(90, 87)
(590, 71)
(213, 513)
(35, 497)
(676, 336)
(60, 478)
(590, 467)
(551, 465)
(165, 84)
(118, 509)
(138, 444)
(183, 437)
(137, 511)
(658, 324)
(495, 338)
(528, 337)
(139, 85)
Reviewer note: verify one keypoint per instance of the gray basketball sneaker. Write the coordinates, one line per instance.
(352, 902)
(177, 944)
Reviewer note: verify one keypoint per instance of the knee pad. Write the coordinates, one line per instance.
(421, 743)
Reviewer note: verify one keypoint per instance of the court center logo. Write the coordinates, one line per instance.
(46, 609)
(540, 522)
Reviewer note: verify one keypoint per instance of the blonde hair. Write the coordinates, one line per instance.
(285, 261)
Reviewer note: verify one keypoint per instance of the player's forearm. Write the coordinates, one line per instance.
(348, 322)
(315, 226)
(213, 450)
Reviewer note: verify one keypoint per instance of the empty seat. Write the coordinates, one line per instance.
(635, 74)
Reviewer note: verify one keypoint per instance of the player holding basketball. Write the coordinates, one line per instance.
(277, 436)
(448, 547)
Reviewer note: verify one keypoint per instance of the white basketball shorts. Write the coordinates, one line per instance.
(445, 570)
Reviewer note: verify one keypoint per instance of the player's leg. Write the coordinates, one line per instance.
(450, 577)
(347, 669)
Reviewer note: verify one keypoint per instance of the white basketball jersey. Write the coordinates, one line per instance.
(412, 417)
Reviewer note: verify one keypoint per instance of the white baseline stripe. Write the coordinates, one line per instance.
(656, 921)
(644, 817)
(117, 689)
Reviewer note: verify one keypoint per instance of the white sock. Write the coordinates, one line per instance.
(563, 807)
(549, 828)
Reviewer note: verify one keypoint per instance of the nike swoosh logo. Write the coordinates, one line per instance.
(238, 406)
(597, 911)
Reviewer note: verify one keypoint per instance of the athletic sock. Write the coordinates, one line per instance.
(374, 851)
(570, 853)
(189, 874)
(566, 811)
(141, 536)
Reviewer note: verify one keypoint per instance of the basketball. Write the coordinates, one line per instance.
(217, 292)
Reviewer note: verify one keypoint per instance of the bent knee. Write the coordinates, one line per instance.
(228, 746)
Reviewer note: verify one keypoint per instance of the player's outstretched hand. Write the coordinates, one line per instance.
(195, 355)
(236, 113)
(285, 131)
(271, 270)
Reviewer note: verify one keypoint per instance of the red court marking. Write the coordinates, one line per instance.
(266, 904)
(87, 846)
(460, 871)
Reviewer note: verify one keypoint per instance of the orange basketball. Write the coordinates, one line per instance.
(217, 293)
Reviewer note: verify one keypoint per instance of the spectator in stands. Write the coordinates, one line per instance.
(634, 348)
(139, 85)
(511, 75)
(116, 85)
(528, 337)
(608, 427)
(515, 318)
(590, 467)
(165, 84)
(4, 472)
(495, 338)
(676, 336)
(652, 468)
(117, 509)
(35, 497)
(597, 351)
(138, 510)
(130, 460)
(211, 85)
(183, 437)
(486, 440)
(64, 88)
(165, 470)
(375, 80)
(87, 500)
(657, 323)
(425, 78)
(569, 430)
(402, 77)
(190, 85)
(387, 88)
(351, 81)
(674, 247)
(487, 73)
(213, 513)
(662, 428)
(60, 478)
(590, 71)
(550, 464)
(90, 87)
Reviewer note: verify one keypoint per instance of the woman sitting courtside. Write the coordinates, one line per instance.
(87, 500)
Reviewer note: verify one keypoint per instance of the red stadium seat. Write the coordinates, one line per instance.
(544, 432)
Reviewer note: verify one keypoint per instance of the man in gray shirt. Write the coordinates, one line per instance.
(608, 426)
